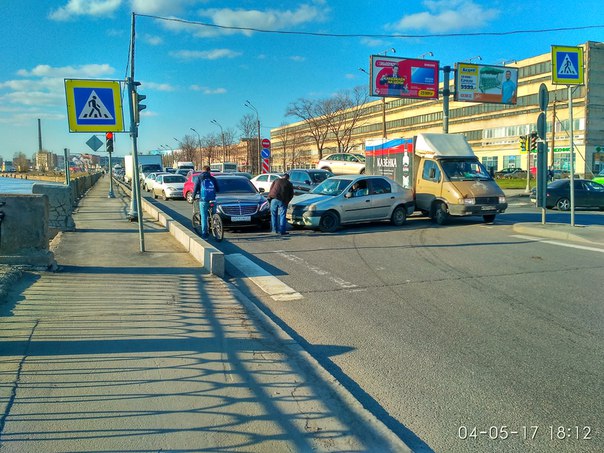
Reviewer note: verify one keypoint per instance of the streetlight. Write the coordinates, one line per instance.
(249, 105)
(199, 141)
(222, 135)
(430, 54)
(477, 58)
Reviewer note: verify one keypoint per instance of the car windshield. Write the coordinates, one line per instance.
(238, 184)
(464, 170)
(319, 176)
(174, 178)
(332, 187)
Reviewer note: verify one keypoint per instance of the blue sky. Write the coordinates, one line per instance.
(194, 74)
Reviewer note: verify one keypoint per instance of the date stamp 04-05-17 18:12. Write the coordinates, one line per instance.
(528, 432)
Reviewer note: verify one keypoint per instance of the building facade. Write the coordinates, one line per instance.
(493, 130)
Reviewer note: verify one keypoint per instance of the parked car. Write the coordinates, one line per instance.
(588, 194)
(168, 186)
(305, 180)
(510, 173)
(149, 180)
(341, 200)
(183, 171)
(239, 204)
(343, 164)
(263, 182)
(599, 178)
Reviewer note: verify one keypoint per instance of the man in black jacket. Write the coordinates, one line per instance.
(279, 195)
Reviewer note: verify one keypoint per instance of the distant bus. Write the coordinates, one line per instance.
(224, 167)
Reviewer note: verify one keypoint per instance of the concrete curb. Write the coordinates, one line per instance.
(8, 275)
(208, 256)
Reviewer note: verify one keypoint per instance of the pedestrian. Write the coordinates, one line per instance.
(207, 188)
(279, 196)
(550, 174)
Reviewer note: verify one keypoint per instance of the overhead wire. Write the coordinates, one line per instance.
(366, 35)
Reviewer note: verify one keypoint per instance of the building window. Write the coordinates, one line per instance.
(490, 162)
(512, 162)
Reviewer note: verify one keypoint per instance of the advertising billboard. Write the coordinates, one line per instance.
(403, 77)
(482, 83)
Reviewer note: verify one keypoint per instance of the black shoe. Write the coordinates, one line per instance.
(284, 233)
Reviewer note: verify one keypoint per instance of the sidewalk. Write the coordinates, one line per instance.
(127, 351)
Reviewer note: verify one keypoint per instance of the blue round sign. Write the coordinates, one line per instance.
(266, 153)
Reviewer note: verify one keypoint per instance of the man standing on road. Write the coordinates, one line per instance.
(279, 195)
(207, 186)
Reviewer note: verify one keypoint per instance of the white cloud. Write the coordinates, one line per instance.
(160, 7)
(204, 54)
(207, 90)
(297, 58)
(152, 40)
(447, 15)
(75, 8)
(156, 86)
(270, 19)
(89, 70)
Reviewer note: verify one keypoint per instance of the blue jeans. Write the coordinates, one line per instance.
(204, 206)
(278, 220)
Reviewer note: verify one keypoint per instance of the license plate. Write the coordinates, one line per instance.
(487, 208)
(241, 218)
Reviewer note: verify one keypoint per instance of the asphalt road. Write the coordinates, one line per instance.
(465, 337)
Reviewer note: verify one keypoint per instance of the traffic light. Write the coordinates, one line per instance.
(109, 142)
(533, 141)
(523, 143)
(136, 103)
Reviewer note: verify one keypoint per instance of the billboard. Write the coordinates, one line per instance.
(403, 77)
(390, 157)
(482, 83)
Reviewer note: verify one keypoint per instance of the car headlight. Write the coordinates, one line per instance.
(311, 207)
(264, 206)
(468, 201)
(501, 200)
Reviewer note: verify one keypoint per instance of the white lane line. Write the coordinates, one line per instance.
(317, 270)
(261, 278)
(562, 244)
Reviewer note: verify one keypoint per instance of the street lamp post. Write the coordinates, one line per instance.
(222, 135)
(249, 105)
(199, 141)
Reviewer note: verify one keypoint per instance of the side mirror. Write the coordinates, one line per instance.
(261, 189)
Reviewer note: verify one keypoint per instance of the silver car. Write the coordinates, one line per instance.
(342, 200)
(343, 164)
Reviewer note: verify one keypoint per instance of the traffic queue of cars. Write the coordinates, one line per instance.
(325, 202)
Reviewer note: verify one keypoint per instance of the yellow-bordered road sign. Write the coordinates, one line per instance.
(94, 105)
(567, 65)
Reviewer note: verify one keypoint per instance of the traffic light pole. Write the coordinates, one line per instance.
(135, 198)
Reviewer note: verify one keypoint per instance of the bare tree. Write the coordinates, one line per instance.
(190, 150)
(344, 112)
(249, 129)
(20, 162)
(316, 119)
(212, 147)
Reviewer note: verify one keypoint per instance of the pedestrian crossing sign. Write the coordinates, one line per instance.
(567, 65)
(94, 105)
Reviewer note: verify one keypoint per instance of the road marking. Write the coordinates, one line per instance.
(562, 244)
(261, 278)
(311, 267)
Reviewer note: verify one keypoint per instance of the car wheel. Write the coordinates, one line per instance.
(489, 218)
(163, 195)
(362, 171)
(440, 213)
(330, 221)
(563, 204)
(399, 216)
(326, 168)
(189, 197)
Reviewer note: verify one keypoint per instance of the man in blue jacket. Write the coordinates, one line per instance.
(207, 186)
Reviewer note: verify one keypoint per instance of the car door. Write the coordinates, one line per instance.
(595, 194)
(382, 198)
(357, 208)
(581, 195)
(295, 177)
